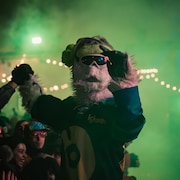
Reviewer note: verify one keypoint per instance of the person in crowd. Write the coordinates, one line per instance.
(6, 153)
(18, 132)
(43, 151)
(16, 163)
(35, 134)
(19, 128)
(19, 156)
(102, 115)
(6, 171)
(13, 168)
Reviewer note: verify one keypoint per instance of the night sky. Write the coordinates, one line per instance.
(149, 30)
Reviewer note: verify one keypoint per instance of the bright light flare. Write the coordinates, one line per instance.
(36, 40)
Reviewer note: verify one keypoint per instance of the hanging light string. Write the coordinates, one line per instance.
(143, 73)
(152, 74)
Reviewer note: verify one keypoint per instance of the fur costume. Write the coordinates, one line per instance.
(85, 87)
(30, 91)
(100, 117)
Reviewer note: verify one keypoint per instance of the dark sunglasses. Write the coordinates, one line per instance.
(98, 58)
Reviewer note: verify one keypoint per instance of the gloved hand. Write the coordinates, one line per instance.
(118, 62)
(122, 70)
(21, 73)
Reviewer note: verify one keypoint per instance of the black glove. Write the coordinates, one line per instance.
(117, 66)
(21, 73)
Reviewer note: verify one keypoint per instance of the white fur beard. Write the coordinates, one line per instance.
(87, 93)
(91, 86)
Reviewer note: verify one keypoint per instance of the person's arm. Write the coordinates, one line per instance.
(124, 87)
(20, 74)
(6, 92)
(130, 114)
(49, 110)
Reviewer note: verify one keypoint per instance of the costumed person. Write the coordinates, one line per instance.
(102, 115)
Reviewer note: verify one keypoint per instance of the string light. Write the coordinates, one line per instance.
(143, 74)
(3, 80)
(61, 64)
(54, 62)
(3, 75)
(151, 73)
(48, 61)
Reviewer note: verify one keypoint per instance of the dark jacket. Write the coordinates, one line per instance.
(93, 136)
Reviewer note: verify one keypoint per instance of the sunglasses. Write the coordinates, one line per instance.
(39, 133)
(98, 58)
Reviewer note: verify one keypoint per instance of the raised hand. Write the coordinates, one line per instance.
(21, 73)
(118, 62)
(122, 70)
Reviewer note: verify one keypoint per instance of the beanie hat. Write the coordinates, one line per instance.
(84, 46)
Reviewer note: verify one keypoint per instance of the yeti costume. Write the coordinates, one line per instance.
(102, 115)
